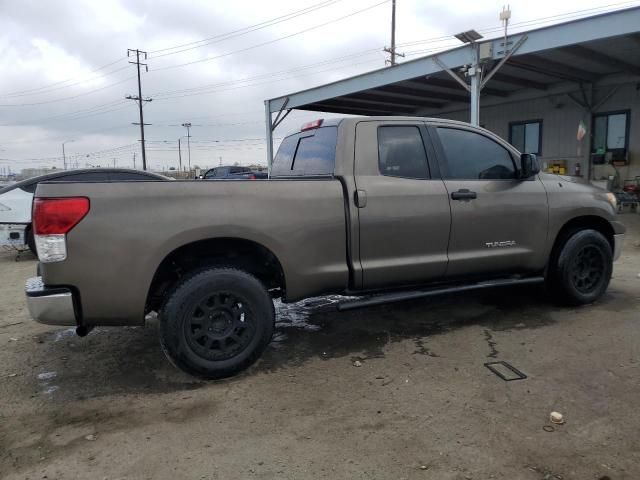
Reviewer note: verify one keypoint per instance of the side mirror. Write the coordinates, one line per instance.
(529, 165)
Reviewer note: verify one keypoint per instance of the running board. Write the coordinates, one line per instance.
(411, 295)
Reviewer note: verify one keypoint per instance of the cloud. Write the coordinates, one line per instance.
(46, 42)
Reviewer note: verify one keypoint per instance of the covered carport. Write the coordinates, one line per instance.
(577, 66)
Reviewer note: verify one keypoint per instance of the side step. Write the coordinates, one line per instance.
(413, 294)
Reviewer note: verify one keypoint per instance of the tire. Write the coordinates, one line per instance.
(580, 270)
(31, 242)
(216, 322)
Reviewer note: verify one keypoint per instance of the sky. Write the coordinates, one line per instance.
(212, 63)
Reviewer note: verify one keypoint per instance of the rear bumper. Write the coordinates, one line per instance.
(618, 241)
(51, 306)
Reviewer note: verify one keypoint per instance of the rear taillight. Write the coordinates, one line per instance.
(252, 177)
(52, 219)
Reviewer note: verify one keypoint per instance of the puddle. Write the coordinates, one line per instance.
(314, 328)
(64, 334)
(46, 375)
(44, 381)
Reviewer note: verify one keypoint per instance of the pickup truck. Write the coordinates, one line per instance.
(381, 208)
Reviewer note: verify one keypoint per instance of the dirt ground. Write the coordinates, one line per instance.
(422, 405)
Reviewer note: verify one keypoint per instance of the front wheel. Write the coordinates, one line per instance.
(216, 322)
(579, 273)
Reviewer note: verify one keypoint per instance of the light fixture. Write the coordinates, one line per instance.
(469, 36)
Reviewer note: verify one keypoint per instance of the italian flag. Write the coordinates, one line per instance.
(582, 130)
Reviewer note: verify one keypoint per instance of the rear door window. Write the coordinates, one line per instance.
(401, 152)
(307, 153)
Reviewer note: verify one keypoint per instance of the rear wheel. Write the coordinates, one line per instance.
(216, 322)
(580, 270)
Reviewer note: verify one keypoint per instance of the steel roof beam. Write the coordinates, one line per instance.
(518, 81)
(395, 100)
(372, 104)
(330, 108)
(586, 53)
(452, 84)
(419, 93)
(535, 63)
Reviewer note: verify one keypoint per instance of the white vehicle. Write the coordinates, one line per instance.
(16, 199)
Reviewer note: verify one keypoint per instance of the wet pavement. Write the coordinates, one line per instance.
(378, 392)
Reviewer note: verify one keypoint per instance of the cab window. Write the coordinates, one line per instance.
(472, 156)
(307, 153)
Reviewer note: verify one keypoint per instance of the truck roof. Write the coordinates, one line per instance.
(336, 121)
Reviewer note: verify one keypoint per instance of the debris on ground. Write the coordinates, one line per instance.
(91, 437)
(557, 418)
(357, 363)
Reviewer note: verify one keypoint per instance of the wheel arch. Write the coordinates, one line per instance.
(247, 255)
(583, 222)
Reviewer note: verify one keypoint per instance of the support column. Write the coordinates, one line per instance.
(269, 127)
(476, 86)
(475, 99)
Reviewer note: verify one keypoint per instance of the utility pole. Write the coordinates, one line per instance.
(134, 160)
(392, 50)
(179, 156)
(114, 163)
(64, 156)
(139, 99)
(187, 125)
(220, 161)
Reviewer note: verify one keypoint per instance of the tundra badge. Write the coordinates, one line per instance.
(506, 243)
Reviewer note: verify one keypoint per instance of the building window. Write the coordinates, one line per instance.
(610, 132)
(526, 136)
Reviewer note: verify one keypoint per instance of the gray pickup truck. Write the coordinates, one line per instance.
(382, 208)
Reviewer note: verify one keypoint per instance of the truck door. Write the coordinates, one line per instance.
(403, 208)
(498, 222)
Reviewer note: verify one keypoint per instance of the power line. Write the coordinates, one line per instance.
(535, 21)
(267, 75)
(162, 99)
(20, 92)
(49, 90)
(243, 31)
(269, 42)
(67, 98)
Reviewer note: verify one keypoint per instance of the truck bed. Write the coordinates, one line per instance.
(302, 222)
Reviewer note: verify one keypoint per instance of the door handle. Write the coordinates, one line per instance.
(360, 198)
(463, 194)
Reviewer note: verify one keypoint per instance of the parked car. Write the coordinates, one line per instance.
(15, 199)
(233, 173)
(399, 207)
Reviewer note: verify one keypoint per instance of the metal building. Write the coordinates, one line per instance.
(568, 92)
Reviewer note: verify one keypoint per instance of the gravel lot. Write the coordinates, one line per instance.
(421, 405)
